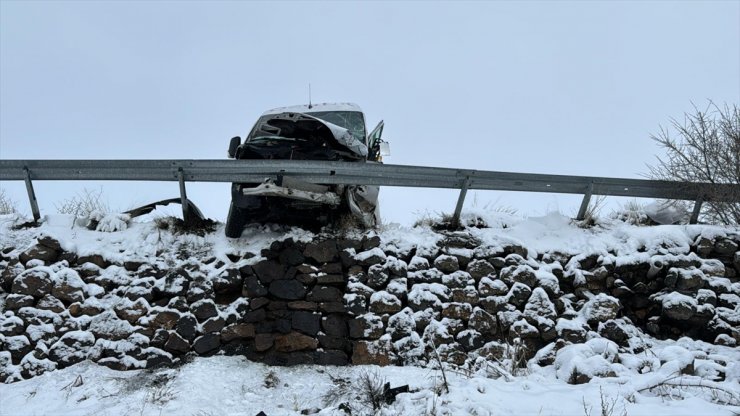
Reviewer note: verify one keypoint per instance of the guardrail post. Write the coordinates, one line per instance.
(584, 203)
(183, 195)
(32, 195)
(460, 201)
(697, 209)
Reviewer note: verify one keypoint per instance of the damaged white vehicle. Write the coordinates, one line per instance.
(307, 132)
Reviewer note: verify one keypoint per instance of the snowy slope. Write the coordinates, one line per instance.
(648, 382)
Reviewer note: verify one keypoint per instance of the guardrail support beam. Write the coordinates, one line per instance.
(32, 195)
(183, 195)
(697, 209)
(584, 203)
(460, 202)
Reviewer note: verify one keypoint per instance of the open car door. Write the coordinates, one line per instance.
(373, 142)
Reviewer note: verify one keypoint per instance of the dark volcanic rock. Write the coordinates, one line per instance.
(366, 326)
(302, 305)
(68, 286)
(263, 342)
(159, 338)
(18, 346)
(258, 315)
(483, 322)
(447, 264)
(384, 302)
(174, 283)
(268, 271)
(325, 294)
(330, 279)
(207, 343)
(13, 302)
(367, 352)
(331, 357)
(50, 303)
(50, 242)
(176, 344)
(187, 327)
(165, 320)
(32, 282)
(71, 348)
(253, 288)
(287, 289)
(725, 247)
(227, 281)
(237, 331)
(306, 322)
(214, 324)
(11, 326)
(322, 252)
(204, 309)
(370, 242)
(335, 326)
(8, 274)
(95, 259)
(377, 278)
(480, 268)
(291, 256)
(39, 252)
(295, 341)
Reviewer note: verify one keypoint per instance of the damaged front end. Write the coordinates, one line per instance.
(289, 200)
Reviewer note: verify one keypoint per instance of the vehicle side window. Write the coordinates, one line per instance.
(257, 131)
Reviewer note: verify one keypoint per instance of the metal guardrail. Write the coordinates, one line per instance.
(326, 172)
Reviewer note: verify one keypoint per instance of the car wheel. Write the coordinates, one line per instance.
(235, 221)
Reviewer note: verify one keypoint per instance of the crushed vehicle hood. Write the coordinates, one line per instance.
(302, 136)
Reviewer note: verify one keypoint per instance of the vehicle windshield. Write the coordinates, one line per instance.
(350, 120)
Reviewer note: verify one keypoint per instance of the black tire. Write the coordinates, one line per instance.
(235, 221)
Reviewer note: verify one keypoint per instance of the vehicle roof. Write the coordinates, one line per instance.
(315, 108)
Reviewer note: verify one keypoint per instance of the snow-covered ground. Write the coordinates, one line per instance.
(649, 382)
(235, 386)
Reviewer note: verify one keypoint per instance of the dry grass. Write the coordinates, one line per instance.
(178, 226)
(84, 204)
(365, 393)
(607, 406)
(632, 212)
(7, 205)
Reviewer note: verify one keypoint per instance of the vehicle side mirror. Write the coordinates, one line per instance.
(233, 144)
(385, 149)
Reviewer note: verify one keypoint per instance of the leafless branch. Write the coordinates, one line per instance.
(703, 147)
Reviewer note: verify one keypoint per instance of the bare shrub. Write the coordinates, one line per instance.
(160, 395)
(592, 212)
(704, 147)
(677, 385)
(607, 406)
(361, 395)
(84, 204)
(436, 220)
(441, 221)
(271, 380)
(445, 386)
(7, 205)
(511, 363)
(515, 357)
(632, 212)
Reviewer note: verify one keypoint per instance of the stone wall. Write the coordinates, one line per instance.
(339, 300)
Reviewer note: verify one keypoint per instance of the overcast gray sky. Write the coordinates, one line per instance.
(546, 87)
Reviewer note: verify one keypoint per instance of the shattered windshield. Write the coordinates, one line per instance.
(350, 120)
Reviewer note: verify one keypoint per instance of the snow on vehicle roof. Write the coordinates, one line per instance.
(315, 108)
